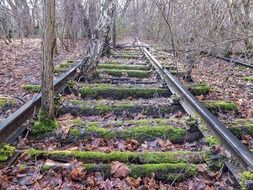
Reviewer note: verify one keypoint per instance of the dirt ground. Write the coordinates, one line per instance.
(227, 83)
(21, 63)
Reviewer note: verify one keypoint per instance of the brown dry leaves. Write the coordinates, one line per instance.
(119, 169)
(77, 173)
(21, 64)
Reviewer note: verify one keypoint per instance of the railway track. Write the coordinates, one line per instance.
(234, 61)
(125, 129)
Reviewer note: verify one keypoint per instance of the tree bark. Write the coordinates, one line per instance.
(47, 103)
(114, 34)
(98, 41)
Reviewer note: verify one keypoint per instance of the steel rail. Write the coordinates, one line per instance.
(193, 107)
(12, 127)
(231, 60)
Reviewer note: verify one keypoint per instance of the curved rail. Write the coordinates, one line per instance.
(193, 107)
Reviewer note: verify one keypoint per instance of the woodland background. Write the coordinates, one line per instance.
(220, 26)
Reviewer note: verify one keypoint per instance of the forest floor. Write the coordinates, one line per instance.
(21, 64)
(228, 83)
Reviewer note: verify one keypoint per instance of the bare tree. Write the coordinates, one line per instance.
(98, 42)
(47, 104)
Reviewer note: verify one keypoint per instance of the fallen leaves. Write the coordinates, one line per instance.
(134, 182)
(21, 63)
(227, 84)
(119, 169)
(77, 173)
(66, 123)
(202, 168)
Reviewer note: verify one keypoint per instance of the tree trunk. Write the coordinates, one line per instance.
(114, 34)
(189, 61)
(99, 39)
(47, 103)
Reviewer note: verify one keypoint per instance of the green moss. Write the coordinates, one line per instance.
(6, 101)
(192, 122)
(199, 89)
(212, 140)
(177, 73)
(129, 73)
(120, 92)
(75, 132)
(6, 151)
(63, 66)
(43, 124)
(141, 133)
(126, 157)
(45, 168)
(213, 164)
(71, 83)
(216, 106)
(77, 122)
(123, 67)
(244, 177)
(164, 171)
(57, 100)
(241, 127)
(32, 88)
(146, 132)
(153, 122)
(98, 107)
(175, 98)
(131, 123)
(250, 79)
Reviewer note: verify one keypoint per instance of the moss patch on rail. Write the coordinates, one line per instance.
(129, 73)
(120, 92)
(241, 127)
(6, 151)
(32, 88)
(126, 157)
(199, 89)
(216, 106)
(140, 133)
(63, 66)
(123, 67)
(6, 101)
